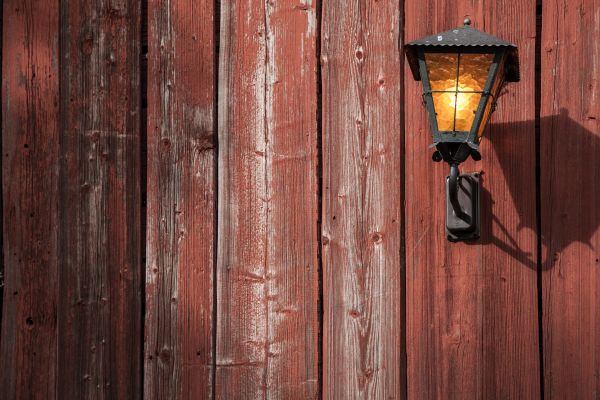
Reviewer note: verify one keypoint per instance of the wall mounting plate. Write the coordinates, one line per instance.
(467, 226)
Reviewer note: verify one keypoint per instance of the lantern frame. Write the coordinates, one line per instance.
(440, 136)
(463, 191)
(463, 40)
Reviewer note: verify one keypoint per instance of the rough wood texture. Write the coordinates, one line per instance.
(72, 324)
(472, 307)
(99, 315)
(1, 206)
(570, 187)
(361, 64)
(30, 182)
(181, 200)
(267, 248)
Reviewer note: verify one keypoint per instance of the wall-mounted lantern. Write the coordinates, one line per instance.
(463, 71)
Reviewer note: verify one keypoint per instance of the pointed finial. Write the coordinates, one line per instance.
(467, 22)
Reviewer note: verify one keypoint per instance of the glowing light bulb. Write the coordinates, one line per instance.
(464, 99)
(456, 111)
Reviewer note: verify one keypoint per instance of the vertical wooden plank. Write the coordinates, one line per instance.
(99, 318)
(472, 307)
(1, 200)
(570, 186)
(30, 188)
(267, 268)
(362, 159)
(181, 200)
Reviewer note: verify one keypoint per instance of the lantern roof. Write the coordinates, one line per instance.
(466, 37)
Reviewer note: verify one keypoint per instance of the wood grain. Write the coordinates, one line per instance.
(1, 206)
(181, 200)
(472, 307)
(30, 152)
(570, 186)
(362, 158)
(99, 314)
(267, 279)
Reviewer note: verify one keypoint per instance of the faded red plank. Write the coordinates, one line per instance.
(181, 200)
(99, 315)
(30, 195)
(570, 187)
(362, 154)
(472, 308)
(1, 208)
(267, 268)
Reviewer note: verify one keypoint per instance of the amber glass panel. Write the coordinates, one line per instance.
(486, 116)
(466, 108)
(455, 104)
(442, 70)
(474, 69)
(443, 103)
(496, 86)
(465, 105)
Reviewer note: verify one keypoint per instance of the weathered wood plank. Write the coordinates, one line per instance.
(267, 268)
(1, 206)
(181, 200)
(30, 194)
(362, 159)
(99, 315)
(570, 187)
(472, 307)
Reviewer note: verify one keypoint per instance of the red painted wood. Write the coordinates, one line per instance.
(1, 207)
(28, 349)
(472, 307)
(181, 200)
(99, 312)
(267, 268)
(71, 313)
(570, 187)
(362, 175)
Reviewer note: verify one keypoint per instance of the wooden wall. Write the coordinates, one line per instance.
(472, 312)
(570, 187)
(234, 199)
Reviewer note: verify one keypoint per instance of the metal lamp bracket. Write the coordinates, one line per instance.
(462, 205)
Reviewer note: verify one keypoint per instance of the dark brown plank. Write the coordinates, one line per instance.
(181, 200)
(267, 323)
(570, 187)
(472, 308)
(30, 196)
(99, 315)
(1, 207)
(361, 64)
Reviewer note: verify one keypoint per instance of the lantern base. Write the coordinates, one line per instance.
(463, 225)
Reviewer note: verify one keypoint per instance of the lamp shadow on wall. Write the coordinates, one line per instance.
(577, 156)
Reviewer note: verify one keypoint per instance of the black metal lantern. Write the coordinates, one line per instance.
(463, 71)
